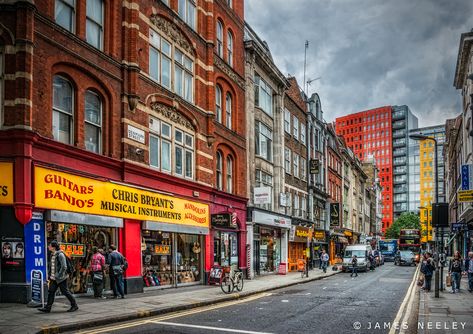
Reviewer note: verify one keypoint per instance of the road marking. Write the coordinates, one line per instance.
(407, 298)
(208, 327)
(324, 288)
(174, 315)
(285, 301)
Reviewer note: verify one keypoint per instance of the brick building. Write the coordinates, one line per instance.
(124, 123)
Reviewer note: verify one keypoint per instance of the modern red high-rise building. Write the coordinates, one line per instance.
(369, 133)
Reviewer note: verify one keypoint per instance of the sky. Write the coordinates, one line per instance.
(369, 53)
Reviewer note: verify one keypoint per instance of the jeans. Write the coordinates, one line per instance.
(456, 277)
(324, 266)
(320, 264)
(116, 282)
(354, 271)
(428, 282)
(53, 286)
(470, 281)
(97, 284)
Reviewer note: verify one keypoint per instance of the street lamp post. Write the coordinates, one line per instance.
(426, 224)
(437, 278)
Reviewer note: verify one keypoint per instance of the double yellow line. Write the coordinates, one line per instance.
(173, 315)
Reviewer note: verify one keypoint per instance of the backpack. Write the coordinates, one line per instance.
(70, 270)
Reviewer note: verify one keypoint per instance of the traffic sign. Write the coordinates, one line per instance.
(465, 196)
(467, 179)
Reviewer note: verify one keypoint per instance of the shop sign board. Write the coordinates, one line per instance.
(224, 220)
(334, 214)
(348, 233)
(37, 279)
(262, 195)
(465, 196)
(467, 177)
(62, 191)
(299, 233)
(271, 220)
(314, 166)
(162, 249)
(72, 250)
(35, 246)
(6, 183)
(319, 235)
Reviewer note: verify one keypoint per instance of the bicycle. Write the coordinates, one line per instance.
(232, 279)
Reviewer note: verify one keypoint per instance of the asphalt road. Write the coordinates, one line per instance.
(335, 304)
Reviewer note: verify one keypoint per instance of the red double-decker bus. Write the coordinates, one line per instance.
(409, 239)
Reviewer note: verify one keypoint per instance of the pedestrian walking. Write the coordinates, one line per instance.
(116, 263)
(469, 270)
(319, 255)
(58, 278)
(324, 258)
(455, 270)
(354, 268)
(97, 268)
(427, 269)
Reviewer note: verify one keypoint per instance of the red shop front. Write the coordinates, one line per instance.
(226, 243)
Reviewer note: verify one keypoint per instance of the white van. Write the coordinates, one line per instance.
(361, 252)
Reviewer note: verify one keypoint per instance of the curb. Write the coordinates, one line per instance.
(144, 314)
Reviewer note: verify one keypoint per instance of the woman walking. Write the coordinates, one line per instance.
(455, 270)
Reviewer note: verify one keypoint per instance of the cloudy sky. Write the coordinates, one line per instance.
(369, 53)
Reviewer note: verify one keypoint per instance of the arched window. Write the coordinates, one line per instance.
(63, 111)
(230, 48)
(218, 103)
(219, 183)
(229, 174)
(219, 38)
(228, 110)
(93, 122)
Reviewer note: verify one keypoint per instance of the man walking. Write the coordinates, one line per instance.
(97, 264)
(58, 278)
(319, 254)
(427, 269)
(455, 270)
(469, 270)
(354, 269)
(116, 263)
(324, 258)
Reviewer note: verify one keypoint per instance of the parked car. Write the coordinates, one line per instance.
(405, 258)
(361, 252)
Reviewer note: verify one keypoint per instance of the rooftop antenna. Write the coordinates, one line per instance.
(305, 63)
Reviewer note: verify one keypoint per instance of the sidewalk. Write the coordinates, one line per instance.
(18, 318)
(448, 313)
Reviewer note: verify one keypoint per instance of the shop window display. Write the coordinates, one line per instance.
(270, 249)
(226, 249)
(157, 258)
(77, 242)
(188, 258)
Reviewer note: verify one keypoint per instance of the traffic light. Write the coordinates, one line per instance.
(440, 215)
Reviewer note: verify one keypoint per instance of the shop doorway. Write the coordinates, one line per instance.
(256, 257)
(226, 249)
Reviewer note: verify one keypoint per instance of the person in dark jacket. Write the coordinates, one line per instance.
(354, 268)
(427, 269)
(58, 278)
(455, 270)
(116, 263)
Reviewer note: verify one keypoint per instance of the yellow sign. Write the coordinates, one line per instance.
(319, 235)
(6, 183)
(62, 191)
(162, 249)
(302, 233)
(465, 196)
(72, 250)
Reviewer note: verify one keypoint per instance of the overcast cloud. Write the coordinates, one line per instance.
(369, 53)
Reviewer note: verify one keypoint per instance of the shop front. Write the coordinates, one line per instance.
(268, 235)
(225, 239)
(172, 255)
(160, 235)
(337, 244)
(298, 242)
(319, 243)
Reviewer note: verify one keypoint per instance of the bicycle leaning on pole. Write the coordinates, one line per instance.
(232, 279)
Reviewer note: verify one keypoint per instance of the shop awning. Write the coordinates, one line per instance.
(82, 219)
(166, 227)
